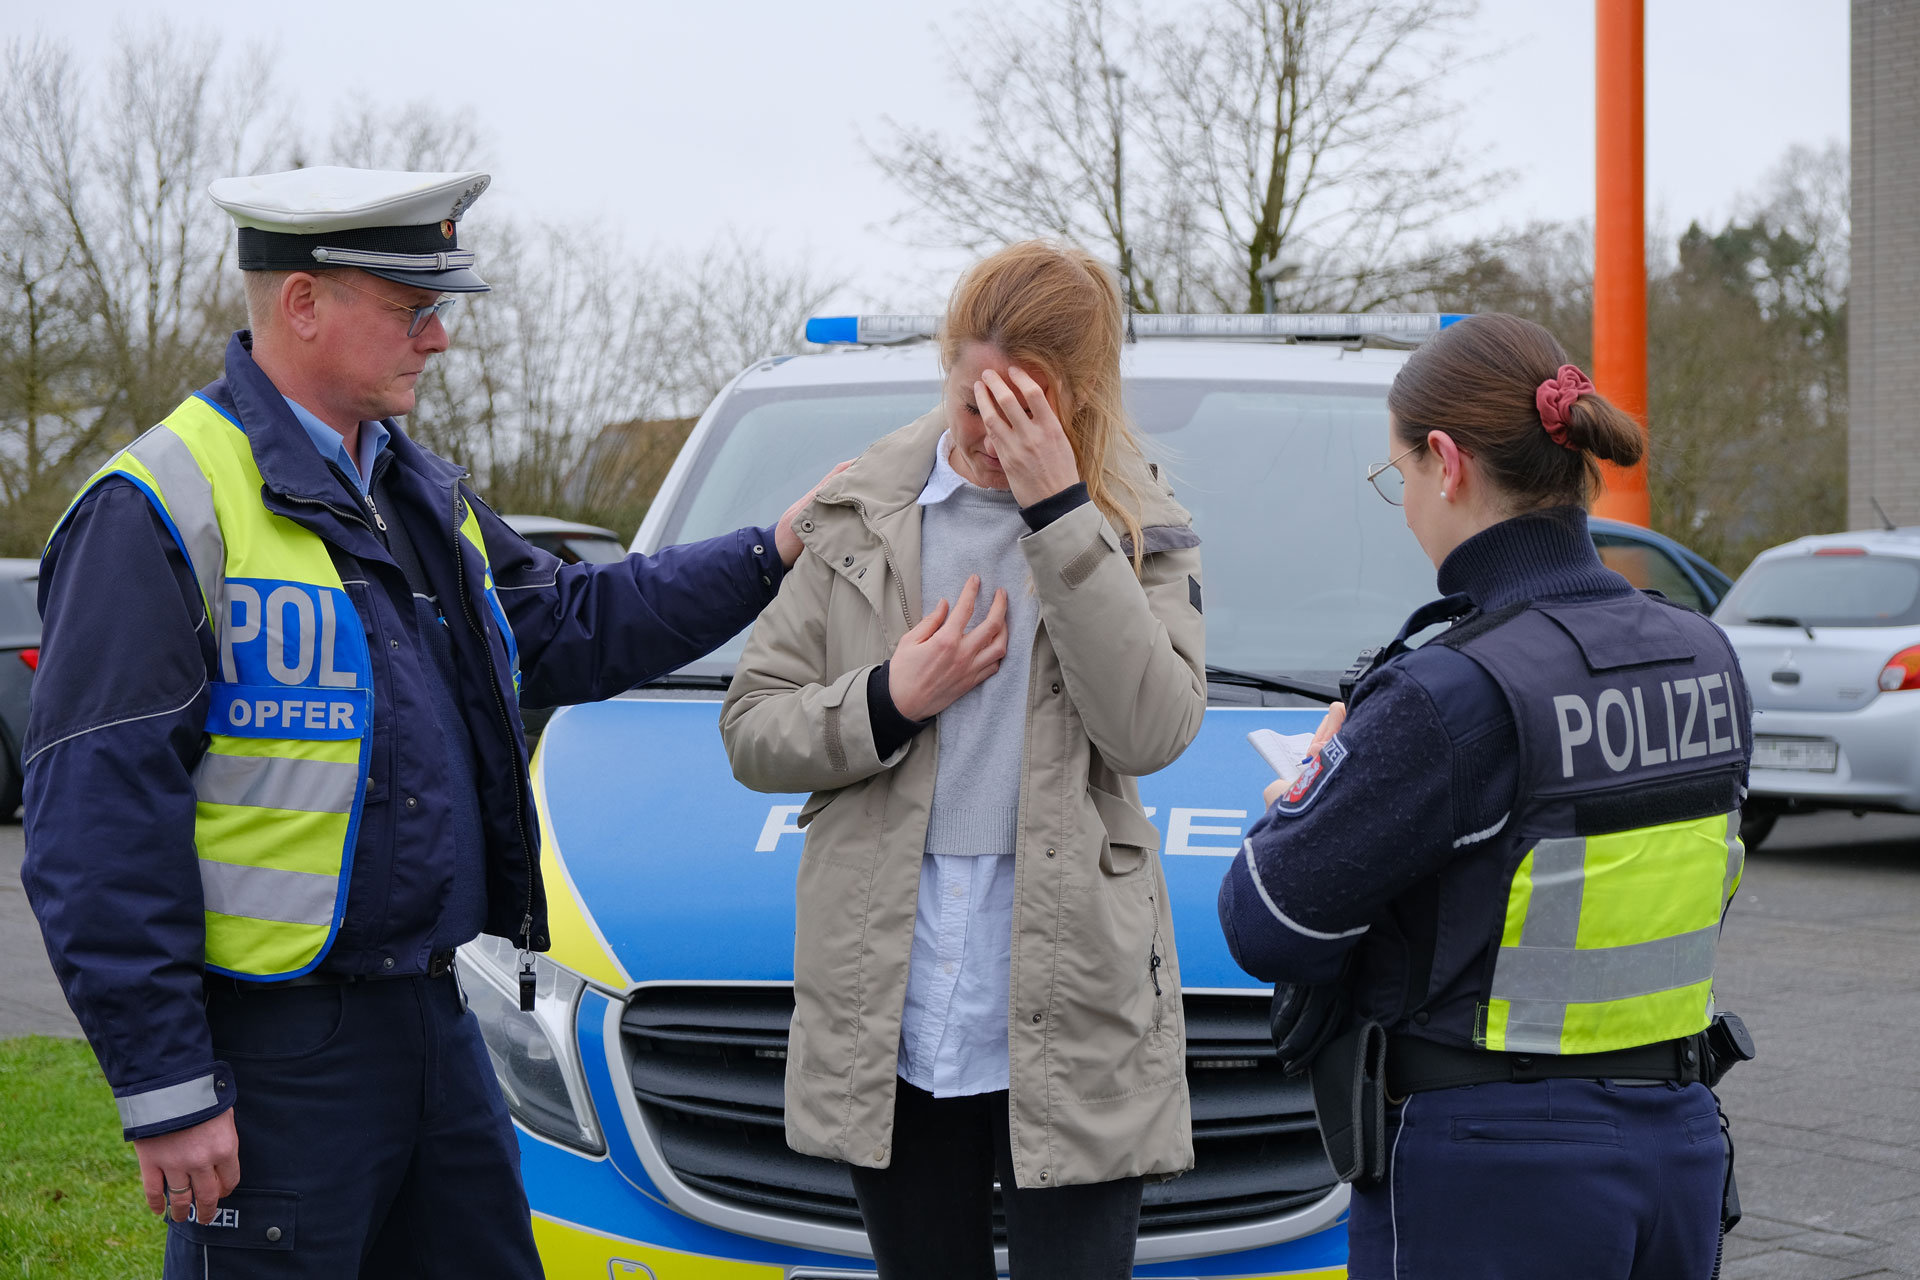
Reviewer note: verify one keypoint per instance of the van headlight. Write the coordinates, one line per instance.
(535, 1055)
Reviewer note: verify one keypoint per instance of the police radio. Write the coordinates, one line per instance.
(1362, 668)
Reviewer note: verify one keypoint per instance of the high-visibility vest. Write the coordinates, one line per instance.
(281, 786)
(1596, 907)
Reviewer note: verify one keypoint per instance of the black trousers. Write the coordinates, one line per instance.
(373, 1141)
(930, 1214)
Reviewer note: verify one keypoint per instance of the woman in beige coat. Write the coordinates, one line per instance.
(995, 626)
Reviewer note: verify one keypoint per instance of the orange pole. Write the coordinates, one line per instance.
(1619, 239)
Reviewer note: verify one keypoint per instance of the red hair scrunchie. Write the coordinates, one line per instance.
(1554, 399)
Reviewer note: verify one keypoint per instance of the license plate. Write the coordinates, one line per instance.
(1815, 755)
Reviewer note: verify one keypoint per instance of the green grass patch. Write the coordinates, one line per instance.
(70, 1202)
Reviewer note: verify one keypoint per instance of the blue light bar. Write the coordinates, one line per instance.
(871, 330)
(825, 329)
(1386, 326)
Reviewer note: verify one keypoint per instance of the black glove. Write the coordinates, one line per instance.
(1303, 1019)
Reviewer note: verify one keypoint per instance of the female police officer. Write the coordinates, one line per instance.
(1500, 879)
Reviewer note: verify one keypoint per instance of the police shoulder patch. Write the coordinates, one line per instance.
(1312, 780)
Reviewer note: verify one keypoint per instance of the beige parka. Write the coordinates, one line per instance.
(1117, 689)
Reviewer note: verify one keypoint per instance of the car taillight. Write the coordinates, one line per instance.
(31, 657)
(1841, 551)
(1902, 671)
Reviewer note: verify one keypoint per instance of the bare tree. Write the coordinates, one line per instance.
(1313, 137)
(1542, 272)
(117, 288)
(580, 339)
(42, 321)
(731, 305)
(418, 137)
(110, 235)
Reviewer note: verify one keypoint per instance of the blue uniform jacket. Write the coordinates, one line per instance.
(1424, 771)
(120, 703)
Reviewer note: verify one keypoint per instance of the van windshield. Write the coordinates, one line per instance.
(1304, 565)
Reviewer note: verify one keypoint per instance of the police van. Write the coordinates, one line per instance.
(647, 1080)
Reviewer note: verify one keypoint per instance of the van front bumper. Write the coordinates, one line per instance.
(606, 1218)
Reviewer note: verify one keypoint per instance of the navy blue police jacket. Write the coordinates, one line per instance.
(120, 704)
(1424, 771)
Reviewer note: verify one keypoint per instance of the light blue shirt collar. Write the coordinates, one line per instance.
(945, 481)
(373, 438)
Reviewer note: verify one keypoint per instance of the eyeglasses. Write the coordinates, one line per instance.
(417, 317)
(1387, 479)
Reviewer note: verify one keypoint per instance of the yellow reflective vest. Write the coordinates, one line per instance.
(280, 788)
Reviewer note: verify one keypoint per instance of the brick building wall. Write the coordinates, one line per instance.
(1883, 368)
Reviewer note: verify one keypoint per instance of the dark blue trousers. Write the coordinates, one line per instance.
(1570, 1179)
(373, 1140)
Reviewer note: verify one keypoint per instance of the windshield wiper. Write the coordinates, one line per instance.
(687, 680)
(1780, 620)
(1272, 684)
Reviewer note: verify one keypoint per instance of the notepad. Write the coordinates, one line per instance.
(1285, 753)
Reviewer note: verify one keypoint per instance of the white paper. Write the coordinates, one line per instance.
(1285, 753)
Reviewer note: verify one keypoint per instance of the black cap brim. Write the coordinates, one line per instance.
(454, 280)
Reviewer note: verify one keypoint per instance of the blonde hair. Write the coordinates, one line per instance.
(263, 296)
(1056, 309)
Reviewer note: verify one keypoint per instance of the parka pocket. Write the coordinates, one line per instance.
(246, 1219)
(1129, 836)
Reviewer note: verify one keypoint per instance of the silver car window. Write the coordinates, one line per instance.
(1834, 590)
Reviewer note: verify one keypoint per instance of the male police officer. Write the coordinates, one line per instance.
(275, 769)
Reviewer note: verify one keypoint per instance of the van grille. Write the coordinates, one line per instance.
(708, 1070)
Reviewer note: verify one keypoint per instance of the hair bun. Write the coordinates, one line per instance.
(1599, 427)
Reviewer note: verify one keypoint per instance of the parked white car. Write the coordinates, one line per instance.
(1828, 633)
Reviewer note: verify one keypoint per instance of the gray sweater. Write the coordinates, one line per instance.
(976, 789)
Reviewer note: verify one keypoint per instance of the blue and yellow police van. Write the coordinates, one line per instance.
(646, 1083)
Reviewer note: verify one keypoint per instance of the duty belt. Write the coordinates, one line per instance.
(1417, 1066)
(439, 964)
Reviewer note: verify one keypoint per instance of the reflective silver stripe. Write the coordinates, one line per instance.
(1559, 883)
(438, 261)
(1736, 857)
(267, 893)
(1552, 925)
(265, 782)
(189, 499)
(1591, 975)
(1476, 837)
(157, 1106)
(1253, 873)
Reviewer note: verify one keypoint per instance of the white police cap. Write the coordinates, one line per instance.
(400, 226)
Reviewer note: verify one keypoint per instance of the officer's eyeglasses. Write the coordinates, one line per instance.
(418, 318)
(1387, 480)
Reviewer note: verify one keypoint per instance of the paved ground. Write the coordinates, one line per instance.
(30, 999)
(1821, 956)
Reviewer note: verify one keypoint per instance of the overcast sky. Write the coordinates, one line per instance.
(669, 121)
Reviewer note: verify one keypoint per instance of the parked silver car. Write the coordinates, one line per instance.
(1828, 633)
(572, 541)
